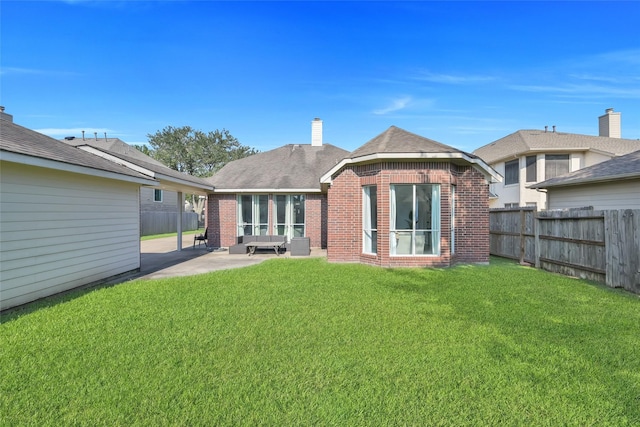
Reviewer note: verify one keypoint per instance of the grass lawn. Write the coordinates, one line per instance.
(304, 342)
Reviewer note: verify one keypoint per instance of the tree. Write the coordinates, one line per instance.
(195, 152)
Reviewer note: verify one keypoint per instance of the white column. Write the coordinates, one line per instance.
(179, 225)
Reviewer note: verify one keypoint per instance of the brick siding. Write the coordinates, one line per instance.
(344, 213)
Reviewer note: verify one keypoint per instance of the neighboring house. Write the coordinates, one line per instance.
(152, 200)
(399, 200)
(70, 216)
(276, 192)
(614, 184)
(405, 200)
(67, 218)
(527, 157)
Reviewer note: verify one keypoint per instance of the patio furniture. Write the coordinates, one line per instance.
(200, 238)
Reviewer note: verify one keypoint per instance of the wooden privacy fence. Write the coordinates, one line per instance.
(597, 245)
(158, 222)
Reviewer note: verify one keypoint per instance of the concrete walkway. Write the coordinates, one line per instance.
(159, 258)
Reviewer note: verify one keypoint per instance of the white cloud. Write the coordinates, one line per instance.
(452, 79)
(395, 105)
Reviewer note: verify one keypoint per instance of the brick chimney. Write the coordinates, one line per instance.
(609, 124)
(316, 132)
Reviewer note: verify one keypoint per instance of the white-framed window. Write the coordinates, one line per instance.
(532, 169)
(253, 214)
(555, 165)
(289, 215)
(415, 219)
(370, 219)
(512, 172)
(453, 219)
(157, 195)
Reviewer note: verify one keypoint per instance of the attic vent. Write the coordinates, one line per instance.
(69, 138)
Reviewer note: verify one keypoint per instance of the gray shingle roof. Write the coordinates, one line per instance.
(114, 145)
(291, 167)
(20, 140)
(157, 167)
(396, 140)
(524, 141)
(400, 145)
(623, 167)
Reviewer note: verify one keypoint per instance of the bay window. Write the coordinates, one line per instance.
(415, 219)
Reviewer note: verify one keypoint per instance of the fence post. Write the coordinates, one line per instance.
(536, 224)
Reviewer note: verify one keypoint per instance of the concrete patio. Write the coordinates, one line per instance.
(159, 258)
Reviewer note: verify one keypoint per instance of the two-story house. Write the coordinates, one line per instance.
(527, 157)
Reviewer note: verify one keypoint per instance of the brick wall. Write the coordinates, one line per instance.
(472, 217)
(345, 213)
(222, 219)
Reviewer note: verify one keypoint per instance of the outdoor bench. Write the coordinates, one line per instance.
(251, 243)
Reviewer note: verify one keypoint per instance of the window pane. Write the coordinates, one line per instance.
(556, 165)
(298, 209)
(404, 243)
(511, 172)
(532, 172)
(281, 209)
(423, 217)
(404, 207)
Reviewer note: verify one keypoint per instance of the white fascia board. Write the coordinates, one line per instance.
(582, 181)
(117, 160)
(268, 190)
(72, 168)
(478, 163)
(183, 182)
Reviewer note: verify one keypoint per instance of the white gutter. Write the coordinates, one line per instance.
(478, 163)
(117, 160)
(267, 190)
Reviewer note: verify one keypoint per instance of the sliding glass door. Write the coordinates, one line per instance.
(415, 219)
(253, 214)
(289, 211)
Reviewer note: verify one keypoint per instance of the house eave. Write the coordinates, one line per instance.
(267, 190)
(72, 168)
(479, 164)
(574, 182)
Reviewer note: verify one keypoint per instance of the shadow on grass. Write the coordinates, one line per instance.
(149, 263)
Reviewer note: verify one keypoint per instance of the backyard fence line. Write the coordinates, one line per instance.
(603, 246)
(166, 222)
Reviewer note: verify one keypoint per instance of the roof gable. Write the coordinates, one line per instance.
(397, 144)
(526, 141)
(396, 140)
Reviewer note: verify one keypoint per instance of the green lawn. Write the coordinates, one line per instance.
(303, 342)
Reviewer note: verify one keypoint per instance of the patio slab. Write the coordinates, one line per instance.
(159, 258)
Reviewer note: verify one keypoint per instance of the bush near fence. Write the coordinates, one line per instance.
(603, 246)
(166, 222)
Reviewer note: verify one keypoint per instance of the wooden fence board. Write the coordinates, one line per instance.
(623, 249)
(603, 246)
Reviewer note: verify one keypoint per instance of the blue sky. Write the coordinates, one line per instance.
(461, 73)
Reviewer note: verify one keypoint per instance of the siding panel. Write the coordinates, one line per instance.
(61, 230)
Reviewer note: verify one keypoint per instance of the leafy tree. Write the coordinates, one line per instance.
(197, 153)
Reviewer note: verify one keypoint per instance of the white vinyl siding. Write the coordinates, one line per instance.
(623, 194)
(61, 230)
